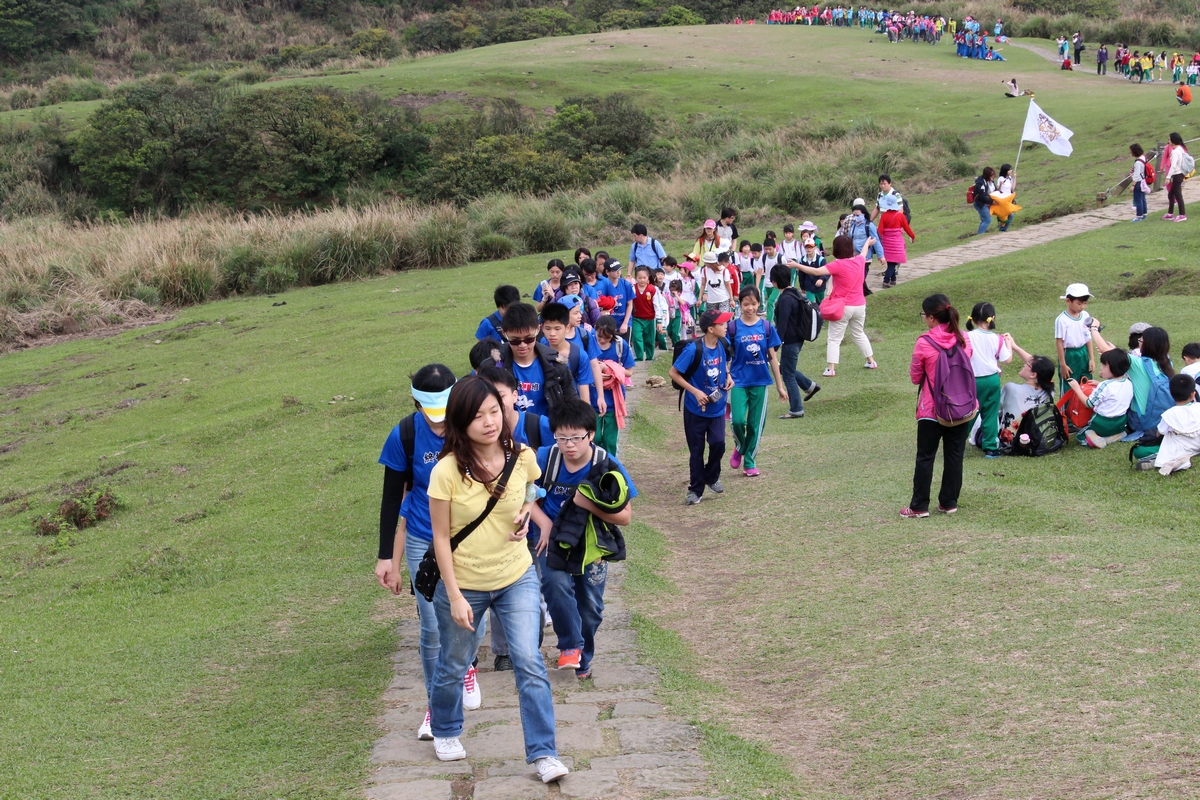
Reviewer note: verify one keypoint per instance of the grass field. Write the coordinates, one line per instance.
(222, 635)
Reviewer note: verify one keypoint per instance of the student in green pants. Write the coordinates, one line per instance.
(755, 365)
(644, 316)
(1076, 352)
(988, 352)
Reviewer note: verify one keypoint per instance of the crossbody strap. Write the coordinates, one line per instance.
(501, 487)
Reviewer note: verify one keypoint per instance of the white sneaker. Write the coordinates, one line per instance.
(450, 749)
(546, 621)
(472, 697)
(549, 768)
(425, 732)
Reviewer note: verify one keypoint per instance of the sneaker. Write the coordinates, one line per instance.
(871, 365)
(502, 664)
(1138, 219)
(991, 453)
(828, 373)
(717, 486)
(546, 620)
(425, 732)
(1181, 218)
(790, 415)
(751, 473)
(908, 513)
(472, 697)
(550, 769)
(1094, 439)
(735, 460)
(816, 387)
(569, 659)
(449, 749)
(692, 499)
(1168, 217)
(583, 674)
(945, 510)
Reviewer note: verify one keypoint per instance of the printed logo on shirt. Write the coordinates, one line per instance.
(524, 389)
(431, 458)
(563, 491)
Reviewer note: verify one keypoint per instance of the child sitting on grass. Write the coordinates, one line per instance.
(588, 494)
(1037, 387)
(1180, 427)
(1109, 401)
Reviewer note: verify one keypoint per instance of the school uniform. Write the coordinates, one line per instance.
(751, 371)
(619, 352)
(643, 323)
(622, 293)
(1110, 402)
(704, 425)
(988, 350)
(1180, 427)
(1075, 335)
(770, 293)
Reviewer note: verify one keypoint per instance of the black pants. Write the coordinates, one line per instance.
(954, 442)
(1101, 67)
(1078, 53)
(1175, 195)
(699, 430)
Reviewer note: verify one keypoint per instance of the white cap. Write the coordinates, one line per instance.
(1077, 290)
(858, 201)
(709, 258)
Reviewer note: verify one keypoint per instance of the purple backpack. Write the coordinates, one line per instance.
(953, 390)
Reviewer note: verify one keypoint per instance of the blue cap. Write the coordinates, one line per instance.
(571, 301)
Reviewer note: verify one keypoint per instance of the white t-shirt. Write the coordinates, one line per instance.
(791, 251)
(1004, 186)
(1017, 398)
(1112, 398)
(987, 351)
(745, 263)
(1192, 369)
(717, 291)
(1073, 332)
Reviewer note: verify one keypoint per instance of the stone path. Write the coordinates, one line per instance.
(611, 733)
(1117, 211)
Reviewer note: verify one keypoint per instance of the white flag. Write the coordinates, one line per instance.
(1040, 128)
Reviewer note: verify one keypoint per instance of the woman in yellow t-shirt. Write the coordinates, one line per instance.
(490, 569)
(708, 241)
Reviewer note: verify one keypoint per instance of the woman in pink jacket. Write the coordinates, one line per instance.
(944, 334)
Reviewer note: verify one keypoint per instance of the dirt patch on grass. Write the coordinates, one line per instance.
(1178, 281)
(22, 390)
(419, 101)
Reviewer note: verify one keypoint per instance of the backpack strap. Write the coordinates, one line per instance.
(408, 440)
(533, 429)
(553, 467)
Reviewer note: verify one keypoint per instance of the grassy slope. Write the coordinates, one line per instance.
(834, 76)
(1039, 643)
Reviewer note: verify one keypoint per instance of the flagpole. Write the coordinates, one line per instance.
(1021, 143)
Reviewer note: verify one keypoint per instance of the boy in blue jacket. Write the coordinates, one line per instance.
(588, 495)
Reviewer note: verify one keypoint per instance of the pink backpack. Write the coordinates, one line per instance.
(953, 389)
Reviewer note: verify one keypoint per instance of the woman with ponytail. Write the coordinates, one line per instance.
(944, 335)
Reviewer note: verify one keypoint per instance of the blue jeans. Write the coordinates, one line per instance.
(1139, 201)
(499, 640)
(793, 379)
(414, 551)
(518, 607)
(985, 217)
(576, 607)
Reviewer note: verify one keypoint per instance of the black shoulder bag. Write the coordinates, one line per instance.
(428, 574)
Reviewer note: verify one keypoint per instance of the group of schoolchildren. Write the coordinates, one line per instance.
(1143, 67)
(1138, 398)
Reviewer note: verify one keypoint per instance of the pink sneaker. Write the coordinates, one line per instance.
(908, 513)
(1181, 218)
(735, 460)
(751, 473)
(1168, 217)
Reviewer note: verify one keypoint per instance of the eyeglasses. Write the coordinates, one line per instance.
(570, 439)
(525, 340)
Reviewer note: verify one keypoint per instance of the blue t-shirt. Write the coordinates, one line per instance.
(530, 392)
(708, 377)
(610, 354)
(650, 254)
(583, 364)
(622, 293)
(567, 481)
(538, 294)
(488, 329)
(750, 366)
(428, 445)
(591, 290)
(543, 429)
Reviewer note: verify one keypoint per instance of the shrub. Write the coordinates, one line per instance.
(346, 254)
(678, 15)
(184, 283)
(493, 247)
(22, 99)
(622, 19)
(239, 270)
(541, 231)
(274, 278)
(375, 43)
(69, 90)
(659, 160)
(440, 239)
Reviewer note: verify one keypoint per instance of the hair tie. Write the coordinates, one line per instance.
(989, 320)
(432, 403)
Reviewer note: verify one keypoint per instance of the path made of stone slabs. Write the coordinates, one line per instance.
(610, 731)
(1118, 211)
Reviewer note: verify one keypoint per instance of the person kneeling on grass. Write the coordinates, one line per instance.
(1109, 401)
(1180, 427)
(703, 369)
(588, 495)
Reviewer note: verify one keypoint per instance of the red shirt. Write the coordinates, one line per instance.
(643, 302)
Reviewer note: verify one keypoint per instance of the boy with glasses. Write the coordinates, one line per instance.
(543, 376)
(588, 496)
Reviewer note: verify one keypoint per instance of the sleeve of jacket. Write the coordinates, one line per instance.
(877, 248)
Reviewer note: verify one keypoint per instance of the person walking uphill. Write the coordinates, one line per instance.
(846, 306)
(946, 405)
(893, 226)
(703, 369)
(984, 186)
(754, 367)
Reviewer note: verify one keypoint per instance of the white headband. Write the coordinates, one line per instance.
(432, 403)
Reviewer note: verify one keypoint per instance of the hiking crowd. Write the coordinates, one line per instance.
(970, 37)
(503, 496)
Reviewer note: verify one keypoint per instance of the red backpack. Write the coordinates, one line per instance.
(1151, 175)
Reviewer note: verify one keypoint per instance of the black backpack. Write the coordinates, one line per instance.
(408, 438)
(677, 351)
(1047, 433)
(559, 381)
(806, 326)
(532, 423)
